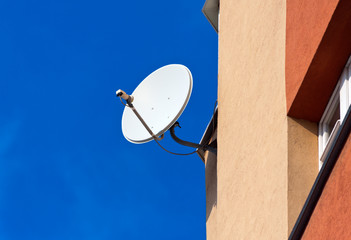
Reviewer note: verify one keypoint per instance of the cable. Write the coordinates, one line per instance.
(180, 154)
(120, 98)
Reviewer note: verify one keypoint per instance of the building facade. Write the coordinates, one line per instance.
(279, 65)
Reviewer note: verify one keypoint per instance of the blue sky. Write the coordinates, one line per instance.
(66, 171)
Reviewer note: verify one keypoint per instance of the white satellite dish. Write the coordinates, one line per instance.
(156, 104)
(160, 100)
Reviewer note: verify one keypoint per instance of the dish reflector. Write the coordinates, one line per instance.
(160, 99)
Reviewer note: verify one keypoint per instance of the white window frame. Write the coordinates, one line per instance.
(341, 96)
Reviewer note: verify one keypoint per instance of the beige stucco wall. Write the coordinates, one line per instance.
(266, 162)
(252, 200)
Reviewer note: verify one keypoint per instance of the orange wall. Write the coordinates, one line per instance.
(331, 218)
(305, 25)
(318, 43)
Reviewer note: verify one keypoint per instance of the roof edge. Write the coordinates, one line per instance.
(211, 11)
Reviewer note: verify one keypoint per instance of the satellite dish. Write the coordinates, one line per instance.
(160, 100)
(156, 104)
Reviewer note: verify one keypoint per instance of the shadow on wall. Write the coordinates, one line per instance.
(211, 184)
(309, 126)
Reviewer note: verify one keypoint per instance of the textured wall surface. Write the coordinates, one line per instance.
(252, 173)
(306, 23)
(331, 218)
(302, 164)
(317, 49)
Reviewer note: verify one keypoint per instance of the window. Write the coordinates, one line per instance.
(334, 113)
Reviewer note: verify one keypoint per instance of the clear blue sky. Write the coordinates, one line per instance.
(66, 171)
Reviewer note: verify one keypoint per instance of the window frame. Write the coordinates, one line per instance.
(341, 97)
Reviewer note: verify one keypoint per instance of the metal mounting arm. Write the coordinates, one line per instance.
(190, 144)
(129, 99)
